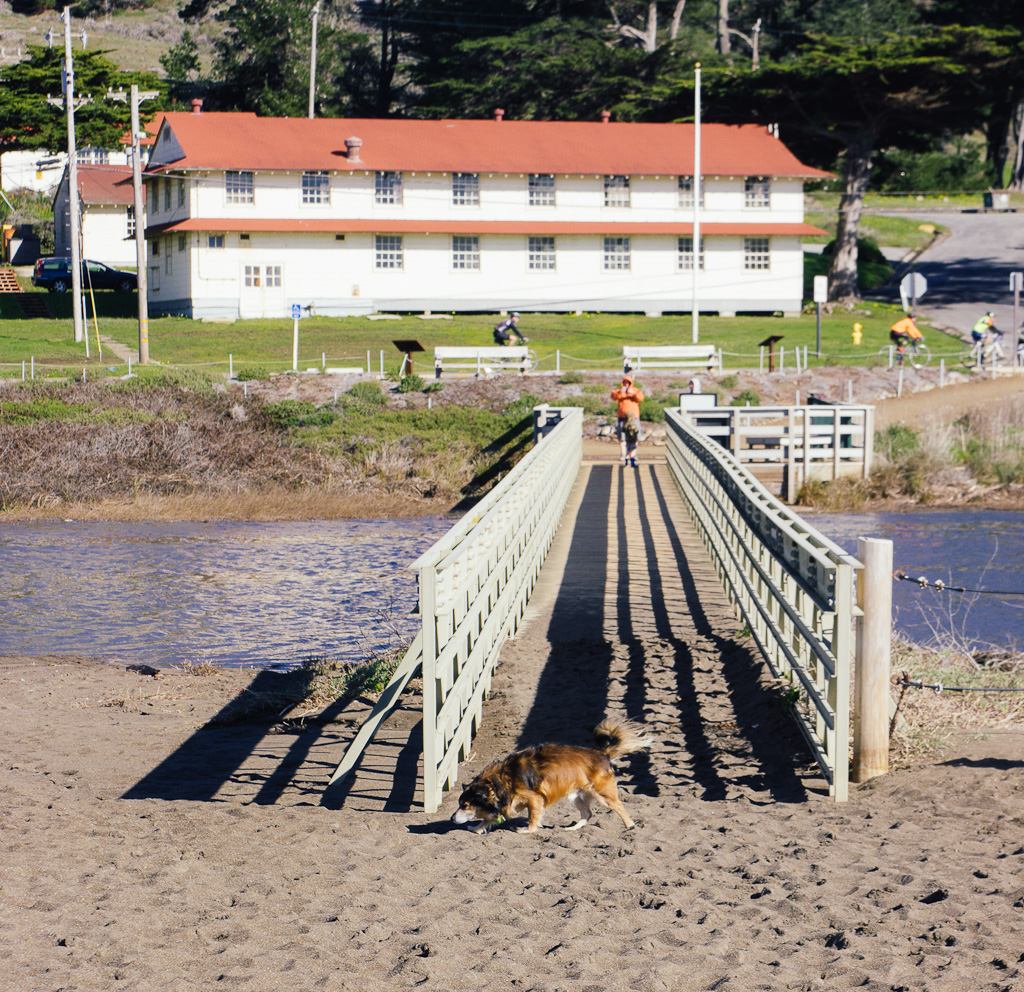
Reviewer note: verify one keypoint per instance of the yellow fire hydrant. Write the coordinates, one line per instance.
(858, 333)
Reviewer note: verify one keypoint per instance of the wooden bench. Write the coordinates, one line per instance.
(686, 356)
(482, 361)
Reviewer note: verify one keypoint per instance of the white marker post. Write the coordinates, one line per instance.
(296, 314)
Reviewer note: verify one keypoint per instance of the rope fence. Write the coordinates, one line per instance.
(938, 688)
(939, 586)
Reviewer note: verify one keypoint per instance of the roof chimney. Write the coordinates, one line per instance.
(197, 105)
(606, 116)
(499, 114)
(352, 146)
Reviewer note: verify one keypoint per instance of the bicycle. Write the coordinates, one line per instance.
(915, 352)
(990, 353)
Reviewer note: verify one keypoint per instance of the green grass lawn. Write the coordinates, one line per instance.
(592, 341)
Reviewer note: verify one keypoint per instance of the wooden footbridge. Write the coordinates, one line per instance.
(787, 585)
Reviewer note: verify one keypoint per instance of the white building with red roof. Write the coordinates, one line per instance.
(107, 215)
(248, 216)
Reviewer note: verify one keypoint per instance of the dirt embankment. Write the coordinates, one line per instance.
(169, 454)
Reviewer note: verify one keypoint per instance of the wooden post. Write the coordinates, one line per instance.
(871, 679)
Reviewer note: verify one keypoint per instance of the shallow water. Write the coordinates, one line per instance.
(228, 593)
(976, 549)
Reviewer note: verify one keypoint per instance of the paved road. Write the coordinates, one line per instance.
(968, 272)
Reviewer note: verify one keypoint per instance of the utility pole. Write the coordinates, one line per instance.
(69, 104)
(140, 227)
(312, 60)
(697, 187)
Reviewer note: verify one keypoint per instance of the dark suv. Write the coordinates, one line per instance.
(54, 274)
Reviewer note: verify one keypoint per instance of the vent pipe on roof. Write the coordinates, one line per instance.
(197, 105)
(352, 146)
(498, 113)
(606, 116)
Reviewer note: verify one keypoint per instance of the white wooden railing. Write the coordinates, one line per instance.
(792, 586)
(474, 585)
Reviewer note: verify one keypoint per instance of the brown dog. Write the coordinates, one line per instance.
(537, 777)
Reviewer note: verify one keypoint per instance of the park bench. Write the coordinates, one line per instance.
(481, 361)
(686, 356)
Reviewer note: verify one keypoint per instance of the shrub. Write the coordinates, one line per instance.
(367, 394)
(653, 411)
(433, 387)
(252, 372)
(571, 378)
(746, 397)
(593, 406)
(729, 382)
(298, 413)
(896, 441)
(411, 383)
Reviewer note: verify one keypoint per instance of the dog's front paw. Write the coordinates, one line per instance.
(526, 830)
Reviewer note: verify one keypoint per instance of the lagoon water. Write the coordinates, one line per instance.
(276, 593)
(976, 549)
(229, 593)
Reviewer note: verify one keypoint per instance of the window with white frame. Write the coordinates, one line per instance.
(130, 221)
(215, 241)
(616, 253)
(756, 254)
(685, 259)
(542, 253)
(616, 191)
(91, 155)
(182, 240)
(757, 191)
(167, 193)
(238, 187)
(252, 277)
(465, 251)
(466, 189)
(542, 189)
(316, 186)
(388, 251)
(181, 192)
(686, 191)
(387, 189)
(272, 276)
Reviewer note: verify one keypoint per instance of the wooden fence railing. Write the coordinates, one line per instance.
(474, 585)
(792, 586)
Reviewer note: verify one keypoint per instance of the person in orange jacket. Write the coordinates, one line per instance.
(627, 427)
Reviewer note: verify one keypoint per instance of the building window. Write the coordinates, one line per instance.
(388, 251)
(542, 190)
(252, 277)
(757, 192)
(685, 259)
(616, 191)
(316, 187)
(181, 192)
(686, 191)
(167, 258)
(130, 221)
(167, 194)
(542, 253)
(272, 274)
(156, 247)
(466, 189)
(238, 187)
(616, 253)
(181, 242)
(387, 189)
(465, 251)
(756, 253)
(90, 155)
(215, 241)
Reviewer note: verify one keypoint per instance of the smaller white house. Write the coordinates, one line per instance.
(108, 215)
(39, 170)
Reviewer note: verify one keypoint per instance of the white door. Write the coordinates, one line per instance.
(262, 291)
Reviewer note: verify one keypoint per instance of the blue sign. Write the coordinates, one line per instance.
(296, 310)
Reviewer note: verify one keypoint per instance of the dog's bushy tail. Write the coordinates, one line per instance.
(617, 737)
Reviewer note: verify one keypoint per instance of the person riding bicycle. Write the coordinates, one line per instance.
(984, 330)
(507, 330)
(903, 332)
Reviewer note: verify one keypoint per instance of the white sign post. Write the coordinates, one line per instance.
(296, 314)
(820, 296)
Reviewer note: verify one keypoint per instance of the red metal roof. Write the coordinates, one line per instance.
(346, 226)
(245, 141)
(99, 184)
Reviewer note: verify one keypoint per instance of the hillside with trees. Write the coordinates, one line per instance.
(912, 95)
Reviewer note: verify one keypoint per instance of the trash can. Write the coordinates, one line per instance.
(997, 200)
